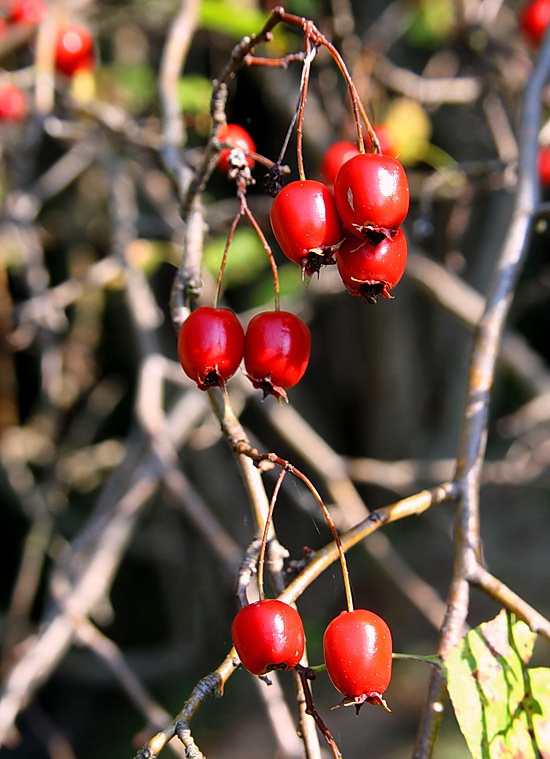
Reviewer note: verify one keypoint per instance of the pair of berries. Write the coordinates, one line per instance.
(74, 47)
(357, 226)
(357, 647)
(275, 348)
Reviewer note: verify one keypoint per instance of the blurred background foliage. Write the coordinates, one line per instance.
(384, 389)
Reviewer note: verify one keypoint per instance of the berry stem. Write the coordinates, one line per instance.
(304, 84)
(246, 450)
(230, 235)
(306, 674)
(267, 526)
(267, 248)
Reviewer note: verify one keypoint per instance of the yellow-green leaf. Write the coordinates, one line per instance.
(491, 691)
(235, 19)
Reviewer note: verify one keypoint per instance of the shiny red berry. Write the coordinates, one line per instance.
(335, 155)
(276, 351)
(74, 50)
(13, 103)
(268, 635)
(238, 137)
(26, 11)
(372, 193)
(358, 654)
(306, 224)
(210, 346)
(372, 266)
(534, 19)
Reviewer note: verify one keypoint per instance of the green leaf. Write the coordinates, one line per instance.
(495, 697)
(194, 94)
(246, 258)
(431, 22)
(235, 19)
(538, 708)
(135, 83)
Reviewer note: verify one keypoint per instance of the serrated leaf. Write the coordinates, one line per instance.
(538, 708)
(246, 258)
(489, 686)
(231, 18)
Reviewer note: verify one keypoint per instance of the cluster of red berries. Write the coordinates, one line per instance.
(275, 348)
(357, 647)
(356, 225)
(352, 218)
(74, 51)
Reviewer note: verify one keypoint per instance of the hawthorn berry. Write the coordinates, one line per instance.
(357, 647)
(277, 345)
(544, 165)
(306, 224)
(268, 635)
(13, 103)
(534, 19)
(26, 11)
(238, 137)
(372, 266)
(336, 155)
(211, 346)
(74, 49)
(372, 193)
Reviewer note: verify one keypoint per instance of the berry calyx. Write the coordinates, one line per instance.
(306, 224)
(277, 346)
(268, 635)
(238, 137)
(211, 346)
(372, 266)
(534, 19)
(372, 193)
(336, 155)
(74, 50)
(13, 103)
(357, 648)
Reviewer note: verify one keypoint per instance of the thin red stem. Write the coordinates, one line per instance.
(267, 525)
(310, 53)
(267, 248)
(228, 242)
(245, 449)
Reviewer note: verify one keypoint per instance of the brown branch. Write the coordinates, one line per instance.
(473, 437)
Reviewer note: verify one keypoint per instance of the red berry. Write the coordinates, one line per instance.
(337, 154)
(372, 192)
(372, 266)
(13, 103)
(26, 11)
(306, 224)
(268, 635)
(544, 165)
(534, 19)
(74, 49)
(358, 654)
(276, 351)
(210, 346)
(235, 135)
